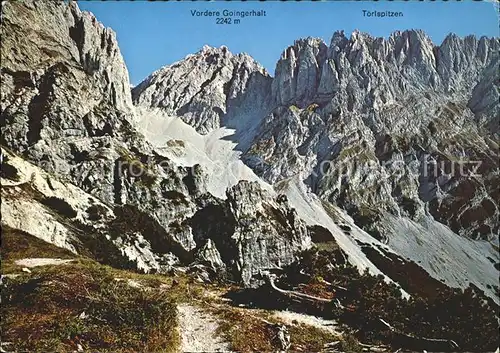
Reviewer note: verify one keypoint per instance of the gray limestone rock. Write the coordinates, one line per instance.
(67, 108)
(377, 110)
(206, 88)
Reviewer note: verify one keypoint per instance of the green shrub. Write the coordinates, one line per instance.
(8, 171)
(464, 316)
(60, 206)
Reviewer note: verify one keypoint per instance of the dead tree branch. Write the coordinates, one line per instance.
(420, 343)
(293, 294)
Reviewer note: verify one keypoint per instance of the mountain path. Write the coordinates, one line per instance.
(197, 331)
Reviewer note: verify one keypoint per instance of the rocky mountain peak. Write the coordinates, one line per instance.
(211, 80)
(99, 53)
(298, 71)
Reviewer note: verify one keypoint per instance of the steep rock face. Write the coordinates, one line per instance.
(73, 52)
(66, 108)
(380, 112)
(65, 91)
(364, 73)
(206, 88)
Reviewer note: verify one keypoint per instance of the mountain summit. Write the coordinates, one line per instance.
(203, 87)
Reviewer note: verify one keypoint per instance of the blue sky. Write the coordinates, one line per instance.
(155, 34)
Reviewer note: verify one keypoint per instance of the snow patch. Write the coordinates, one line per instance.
(215, 152)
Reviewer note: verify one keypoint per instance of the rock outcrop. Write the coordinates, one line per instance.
(360, 120)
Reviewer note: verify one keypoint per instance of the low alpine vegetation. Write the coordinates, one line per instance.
(83, 306)
(465, 317)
